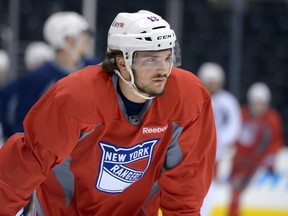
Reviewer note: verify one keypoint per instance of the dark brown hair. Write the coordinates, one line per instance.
(109, 64)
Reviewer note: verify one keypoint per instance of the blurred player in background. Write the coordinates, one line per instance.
(261, 138)
(4, 70)
(4, 67)
(226, 109)
(36, 54)
(68, 34)
(126, 137)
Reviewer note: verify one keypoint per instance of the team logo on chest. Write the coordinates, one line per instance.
(121, 167)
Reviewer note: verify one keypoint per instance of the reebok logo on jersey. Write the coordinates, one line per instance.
(121, 167)
(147, 130)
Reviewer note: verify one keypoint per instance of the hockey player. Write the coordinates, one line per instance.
(68, 34)
(4, 70)
(4, 67)
(226, 109)
(261, 138)
(36, 54)
(126, 137)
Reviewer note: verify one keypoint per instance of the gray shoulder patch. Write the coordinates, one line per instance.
(65, 177)
(174, 153)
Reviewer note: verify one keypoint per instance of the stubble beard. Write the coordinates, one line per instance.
(147, 90)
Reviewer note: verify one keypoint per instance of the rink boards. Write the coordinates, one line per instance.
(266, 195)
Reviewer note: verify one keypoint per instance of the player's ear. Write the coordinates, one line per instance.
(70, 41)
(120, 62)
(121, 65)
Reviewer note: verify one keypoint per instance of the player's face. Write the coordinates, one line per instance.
(151, 70)
(83, 43)
(213, 86)
(258, 108)
(77, 47)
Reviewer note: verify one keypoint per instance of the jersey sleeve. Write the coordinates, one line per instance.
(276, 142)
(50, 134)
(228, 132)
(183, 188)
(277, 130)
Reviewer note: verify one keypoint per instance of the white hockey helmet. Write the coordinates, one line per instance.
(37, 53)
(140, 31)
(62, 24)
(211, 72)
(259, 91)
(4, 61)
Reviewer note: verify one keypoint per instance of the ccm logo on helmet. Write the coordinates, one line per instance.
(147, 130)
(163, 37)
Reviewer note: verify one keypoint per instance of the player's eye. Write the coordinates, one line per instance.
(152, 60)
(169, 58)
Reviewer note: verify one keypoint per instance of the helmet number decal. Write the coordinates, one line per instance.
(153, 18)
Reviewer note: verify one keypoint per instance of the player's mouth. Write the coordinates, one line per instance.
(159, 80)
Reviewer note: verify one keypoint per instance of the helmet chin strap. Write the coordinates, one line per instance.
(132, 84)
(138, 93)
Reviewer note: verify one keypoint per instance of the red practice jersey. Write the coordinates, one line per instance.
(85, 156)
(261, 138)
